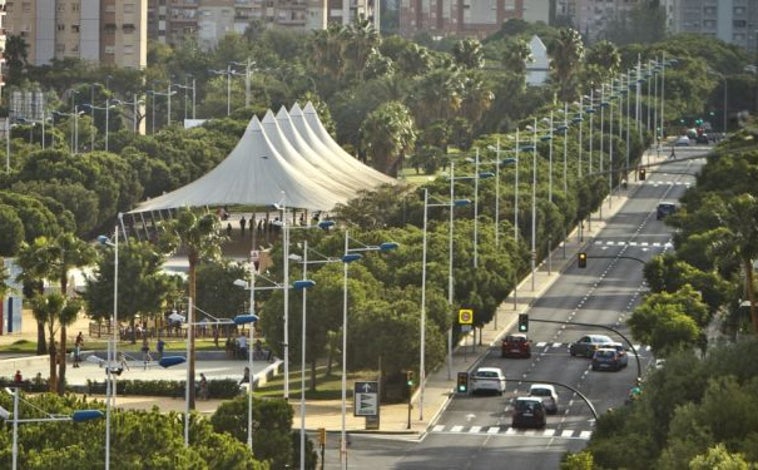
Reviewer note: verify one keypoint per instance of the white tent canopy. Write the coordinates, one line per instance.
(254, 173)
(283, 158)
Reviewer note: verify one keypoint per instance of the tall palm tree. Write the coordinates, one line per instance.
(739, 222)
(54, 259)
(200, 235)
(566, 55)
(604, 59)
(468, 54)
(387, 133)
(516, 55)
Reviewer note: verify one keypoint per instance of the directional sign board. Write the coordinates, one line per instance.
(366, 399)
(465, 316)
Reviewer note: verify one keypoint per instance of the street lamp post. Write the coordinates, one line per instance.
(108, 105)
(422, 357)
(186, 88)
(228, 72)
(167, 94)
(248, 64)
(350, 255)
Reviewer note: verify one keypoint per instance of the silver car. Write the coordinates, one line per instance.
(587, 345)
(548, 395)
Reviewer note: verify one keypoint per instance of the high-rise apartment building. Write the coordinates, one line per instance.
(171, 21)
(100, 31)
(2, 44)
(470, 18)
(732, 21)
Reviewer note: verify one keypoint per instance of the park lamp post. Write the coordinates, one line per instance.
(186, 88)
(169, 92)
(248, 64)
(109, 103)
(422, 358)
(228, 72)
(350, 255)
(475, 177)
(110, 386)
(77, 416)
(134, 103)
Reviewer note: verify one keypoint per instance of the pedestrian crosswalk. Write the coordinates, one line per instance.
(510, 431)
(665, 245)
(640, 348)
(686, 184)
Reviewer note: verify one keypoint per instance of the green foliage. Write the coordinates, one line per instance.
(272, 424)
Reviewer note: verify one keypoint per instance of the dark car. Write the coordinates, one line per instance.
(528, 412)
(623, 353)
(607, 359)
(664, 209)
(587, 345)
(702, 139)
(516, 345)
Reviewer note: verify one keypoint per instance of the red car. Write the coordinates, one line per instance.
(516, 345)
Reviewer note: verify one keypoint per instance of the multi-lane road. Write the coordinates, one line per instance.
(474, 431)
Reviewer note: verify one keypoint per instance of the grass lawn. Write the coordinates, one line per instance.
(327, 387)
(24, 346)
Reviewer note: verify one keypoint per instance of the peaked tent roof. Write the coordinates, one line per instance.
(313, 121)
(318, 156)
(318, 174)
(254, 173)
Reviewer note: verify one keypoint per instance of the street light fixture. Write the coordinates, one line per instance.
(77, 416)
(249, 64)
(109, 103)
(168, 93)
(187, 88)
(350, 255)
(228, 72)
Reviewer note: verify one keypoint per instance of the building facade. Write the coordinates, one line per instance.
(99, 31)
(172, 21)
(732, 21)
(2, 46)
(465, 18)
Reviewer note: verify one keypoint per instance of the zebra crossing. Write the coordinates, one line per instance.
(546, 345)
(665, 245)
(656, 183)
(510, 431)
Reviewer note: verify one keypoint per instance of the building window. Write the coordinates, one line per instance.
(61, 27)
(128, 8)
(75, 28)
(74, 7)
(739, 23)
(128, 28)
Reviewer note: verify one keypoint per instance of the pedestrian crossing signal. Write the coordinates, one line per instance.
(409, 378)
(581, 260)
(523, 322)
(462, 382)
(642, 174)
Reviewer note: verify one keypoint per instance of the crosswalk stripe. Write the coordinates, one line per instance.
(475, 429)
(585, 434)
(557, 345)
(456, 428)
(567, 433)
(510, 431)
(549, 432)
(541, 344)
(493, 430)
(438, 428)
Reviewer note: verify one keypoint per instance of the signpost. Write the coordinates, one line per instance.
(366, 402)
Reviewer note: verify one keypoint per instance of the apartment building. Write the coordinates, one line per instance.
(171, 21)
(465, 18)
(100, 31)
(732, 21)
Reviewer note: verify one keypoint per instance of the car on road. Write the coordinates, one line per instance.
(606, 359)
(487, 380)
(664, 209)
(516, 345)
(682, 141)
(623, 353)
(702, 139)
(588, 344)
(528, 412)
(549, 397)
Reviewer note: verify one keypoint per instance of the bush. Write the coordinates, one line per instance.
(225, 388)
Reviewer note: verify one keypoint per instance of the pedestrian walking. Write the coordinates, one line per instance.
(159, 346)
(146, 357)
(78, 344)
(203, 387)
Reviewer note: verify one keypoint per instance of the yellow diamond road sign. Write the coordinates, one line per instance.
(465, 316)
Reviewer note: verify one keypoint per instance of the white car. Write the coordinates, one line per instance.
(548, 395)
(488, 379)
(682, 141)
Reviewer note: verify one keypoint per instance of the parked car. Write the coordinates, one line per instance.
(548, 395)
(623, 353)
(487, 379)
(606, 359)
(587, 345)
(664, 209)
(528, 412)
(516, 345)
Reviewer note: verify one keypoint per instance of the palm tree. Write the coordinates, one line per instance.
(604, 60)
(566, 54)
(200, 235)
(516, 55)
(468, 54)
(53, 259)
(739, 222)
(387, 133)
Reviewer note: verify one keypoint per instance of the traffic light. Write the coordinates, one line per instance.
(523, 322)
(462, 382)
(581, 259)
(642, 174)
(409, 378)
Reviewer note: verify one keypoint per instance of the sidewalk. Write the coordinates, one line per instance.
(439, 384)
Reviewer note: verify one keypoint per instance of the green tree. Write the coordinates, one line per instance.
(719, 457)
(199, 234)
(272, 426)
(16, 55)
(665, 326)
(468, 54)
(516, 55)
(566, 56)
(387, 134)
